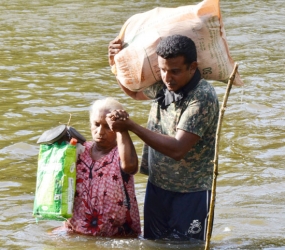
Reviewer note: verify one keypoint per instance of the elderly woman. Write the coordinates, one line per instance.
(105, 201)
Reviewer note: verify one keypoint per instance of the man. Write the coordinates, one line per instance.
(179, 142)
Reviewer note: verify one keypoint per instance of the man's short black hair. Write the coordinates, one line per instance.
(177, 45)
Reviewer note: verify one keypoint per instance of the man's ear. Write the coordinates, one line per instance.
(194, 65)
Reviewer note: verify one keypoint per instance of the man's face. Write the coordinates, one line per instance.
(175, 73)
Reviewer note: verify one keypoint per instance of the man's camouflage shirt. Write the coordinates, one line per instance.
(197, 113)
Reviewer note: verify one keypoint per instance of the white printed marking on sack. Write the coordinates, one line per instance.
(57, 197)
(72, 167)
(50, 167)
(70, 195)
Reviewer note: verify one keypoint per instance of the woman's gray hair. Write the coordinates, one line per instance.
(107, 104)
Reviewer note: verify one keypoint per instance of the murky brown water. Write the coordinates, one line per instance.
(53, 62)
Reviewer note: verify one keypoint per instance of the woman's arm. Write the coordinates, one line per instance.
(127, 152)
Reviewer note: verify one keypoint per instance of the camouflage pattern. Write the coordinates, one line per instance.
(197, 113)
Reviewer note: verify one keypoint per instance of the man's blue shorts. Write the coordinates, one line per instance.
(174, 215)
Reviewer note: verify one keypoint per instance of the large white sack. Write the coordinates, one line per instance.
(136, 65)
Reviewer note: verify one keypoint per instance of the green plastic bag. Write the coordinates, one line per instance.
(56, 180)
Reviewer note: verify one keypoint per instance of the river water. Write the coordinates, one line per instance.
(54, 63)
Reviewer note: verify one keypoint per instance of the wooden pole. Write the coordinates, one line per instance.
(216, 157)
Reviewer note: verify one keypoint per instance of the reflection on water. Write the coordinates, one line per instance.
(54, 63)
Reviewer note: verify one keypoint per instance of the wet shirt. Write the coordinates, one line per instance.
(197, 113)
(105, 201)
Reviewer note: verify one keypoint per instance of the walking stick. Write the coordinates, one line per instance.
(215, 172)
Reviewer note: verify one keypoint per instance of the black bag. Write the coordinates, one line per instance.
(59, 134)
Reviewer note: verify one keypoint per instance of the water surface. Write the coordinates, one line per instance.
(54, 63)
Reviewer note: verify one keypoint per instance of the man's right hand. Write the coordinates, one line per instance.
(114, 48)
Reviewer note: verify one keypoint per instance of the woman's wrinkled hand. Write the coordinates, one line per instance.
(116, 120)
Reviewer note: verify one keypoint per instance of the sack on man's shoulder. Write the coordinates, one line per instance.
(136, 64)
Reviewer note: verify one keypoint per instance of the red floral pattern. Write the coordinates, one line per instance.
(93, 222)
(105, 204)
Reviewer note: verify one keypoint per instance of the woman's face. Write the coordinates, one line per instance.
(104, 137)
